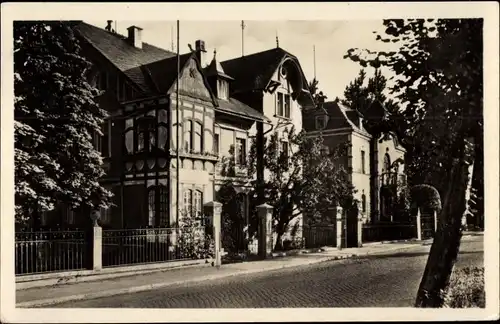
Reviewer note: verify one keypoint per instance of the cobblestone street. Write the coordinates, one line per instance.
(376, 281)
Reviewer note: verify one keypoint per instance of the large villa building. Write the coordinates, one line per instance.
(222, 108)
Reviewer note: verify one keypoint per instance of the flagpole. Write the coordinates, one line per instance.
(177, 128)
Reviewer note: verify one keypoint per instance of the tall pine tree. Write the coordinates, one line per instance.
(56, 116)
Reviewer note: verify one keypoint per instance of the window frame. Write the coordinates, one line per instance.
(363, 161)
(241, 154)
(280, 104)
(287, 103)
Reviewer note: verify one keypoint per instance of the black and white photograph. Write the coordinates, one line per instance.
(164, 161)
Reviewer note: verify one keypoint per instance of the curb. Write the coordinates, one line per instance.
(128, 290)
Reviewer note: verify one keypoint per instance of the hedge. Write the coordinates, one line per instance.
(425, 196)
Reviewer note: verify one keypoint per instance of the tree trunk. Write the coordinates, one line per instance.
(444, 250)
(478, 183)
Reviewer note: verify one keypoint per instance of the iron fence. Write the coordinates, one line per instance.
(387, 232)
(316, 236)
(49, 251)
(148, 245)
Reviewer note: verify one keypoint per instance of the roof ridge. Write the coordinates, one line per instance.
(254, 54)
(124, 37)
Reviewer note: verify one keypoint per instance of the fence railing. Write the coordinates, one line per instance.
(316, 236)
(136, 246)
(385, 232)
(49, 251)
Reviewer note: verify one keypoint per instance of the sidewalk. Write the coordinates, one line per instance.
(109, 287)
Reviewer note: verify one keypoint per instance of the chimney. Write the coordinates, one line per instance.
(200, 52)
(108, 27)
(135, 36)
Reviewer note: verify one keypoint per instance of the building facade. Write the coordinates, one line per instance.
(217, 112)
(374, 165)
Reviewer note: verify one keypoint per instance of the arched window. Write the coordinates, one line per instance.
(363, 203)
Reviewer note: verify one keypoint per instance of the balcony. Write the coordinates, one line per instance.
(389, 179)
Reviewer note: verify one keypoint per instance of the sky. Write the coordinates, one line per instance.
(331, 40)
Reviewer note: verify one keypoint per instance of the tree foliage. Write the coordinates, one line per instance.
(56, 115)
(438, 84)
(318, 96)
(304, 179)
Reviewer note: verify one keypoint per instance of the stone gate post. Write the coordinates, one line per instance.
(213, 212)
(341, 227)
(265, 230)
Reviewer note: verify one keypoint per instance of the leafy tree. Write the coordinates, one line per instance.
(317, 95)
(55, 117)
(438, 85)
(306, 178)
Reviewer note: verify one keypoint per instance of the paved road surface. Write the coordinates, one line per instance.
(377, 281)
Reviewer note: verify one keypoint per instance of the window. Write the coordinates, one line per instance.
(188, 196)
(103, 81)
(280, 104)
(284, 150)
(197, 142)
(146, 137)
(387, 163)
(287, 106)
(240, 151)
(223, 89)
(363, 162)
(320, 122)
(152, 207)
(216, 143)
(363, 203)
(198, 203)
(188, 144)
(105, 139)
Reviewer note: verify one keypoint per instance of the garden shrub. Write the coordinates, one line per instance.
(425, 196)
(466, 289)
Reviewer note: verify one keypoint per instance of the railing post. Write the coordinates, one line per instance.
(339, 216)
(265, 230)
(435, 222)
(419, 225)
(213, 211)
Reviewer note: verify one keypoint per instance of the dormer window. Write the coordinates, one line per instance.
(321, 122)
(222, 89)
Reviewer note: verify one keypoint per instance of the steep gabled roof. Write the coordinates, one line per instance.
(127, 58)
(253, 72)
(163, 73)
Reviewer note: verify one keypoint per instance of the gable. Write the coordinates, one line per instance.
(191, 81)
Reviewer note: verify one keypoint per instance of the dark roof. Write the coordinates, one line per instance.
(121, 53)
(163, 74)
(237, 107)
(253, 72)
(154, 69)
(216, 69)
